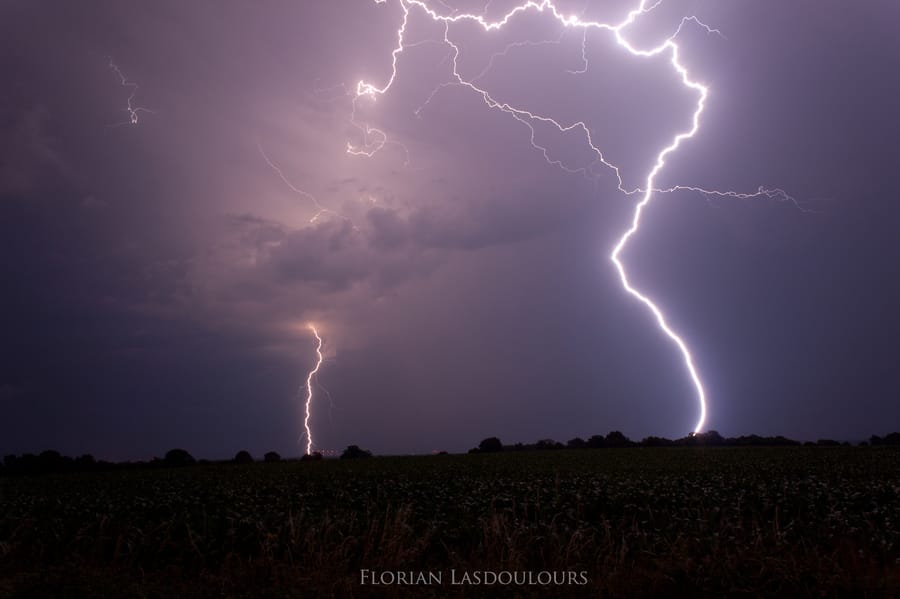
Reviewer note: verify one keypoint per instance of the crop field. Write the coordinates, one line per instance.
(792, 522)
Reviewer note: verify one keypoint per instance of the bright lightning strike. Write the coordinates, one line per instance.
(132, 110)
(375, 139)
(309, 390)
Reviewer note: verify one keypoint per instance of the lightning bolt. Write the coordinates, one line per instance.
(375, 139)
(309, 389)
(321, 211)
(132, 110)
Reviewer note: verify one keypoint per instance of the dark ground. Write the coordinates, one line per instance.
(742, 522)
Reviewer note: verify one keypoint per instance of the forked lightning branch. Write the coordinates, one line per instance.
(374, 139)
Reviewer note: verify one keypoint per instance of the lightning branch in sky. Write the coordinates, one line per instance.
(321, 211)
(132, 110)
(375, 139)
(309, 389)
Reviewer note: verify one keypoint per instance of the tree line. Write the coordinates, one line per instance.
(52, 461)
(616, 439)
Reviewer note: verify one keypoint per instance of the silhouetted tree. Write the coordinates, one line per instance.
(576, 443)
(272, 456)
(178, 457)
(617, 439)
(548, 444)
(354, 452)
(657, 442)
(892, 439)
(243, 457)
(490, 445)
(86, 462)
(757, 441)
(28, 462)
(51, 461)
(11, 464)
(782, 440)
(596, 441)
(312, 457)
(710, 438)
(50, 456)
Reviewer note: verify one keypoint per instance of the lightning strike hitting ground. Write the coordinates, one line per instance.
(309, 389)
(375, 139)
(133, 111)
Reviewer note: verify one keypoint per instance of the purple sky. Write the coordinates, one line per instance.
(158, 277)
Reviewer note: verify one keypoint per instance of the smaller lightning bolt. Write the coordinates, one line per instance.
(309, 389)
(321, 210)
(374, 139)
(584, 59)
(512, 46)
(331, 405)
(132, 110)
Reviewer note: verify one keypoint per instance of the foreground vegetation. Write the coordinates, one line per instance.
(788, 521)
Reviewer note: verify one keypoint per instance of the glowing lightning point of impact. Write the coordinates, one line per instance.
(309, 389)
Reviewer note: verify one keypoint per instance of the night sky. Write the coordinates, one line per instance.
(158, 277)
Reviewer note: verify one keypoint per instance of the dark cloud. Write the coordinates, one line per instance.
(30, 153)
(389, 230)
(332, 254)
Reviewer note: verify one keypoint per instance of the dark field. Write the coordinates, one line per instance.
(792, 522)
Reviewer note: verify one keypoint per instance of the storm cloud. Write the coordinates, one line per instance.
(159, 276)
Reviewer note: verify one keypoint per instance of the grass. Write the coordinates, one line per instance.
(792, 522)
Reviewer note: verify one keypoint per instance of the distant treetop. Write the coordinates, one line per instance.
(178, 457)
(354, 452)
(490, 445)
(243, 457)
